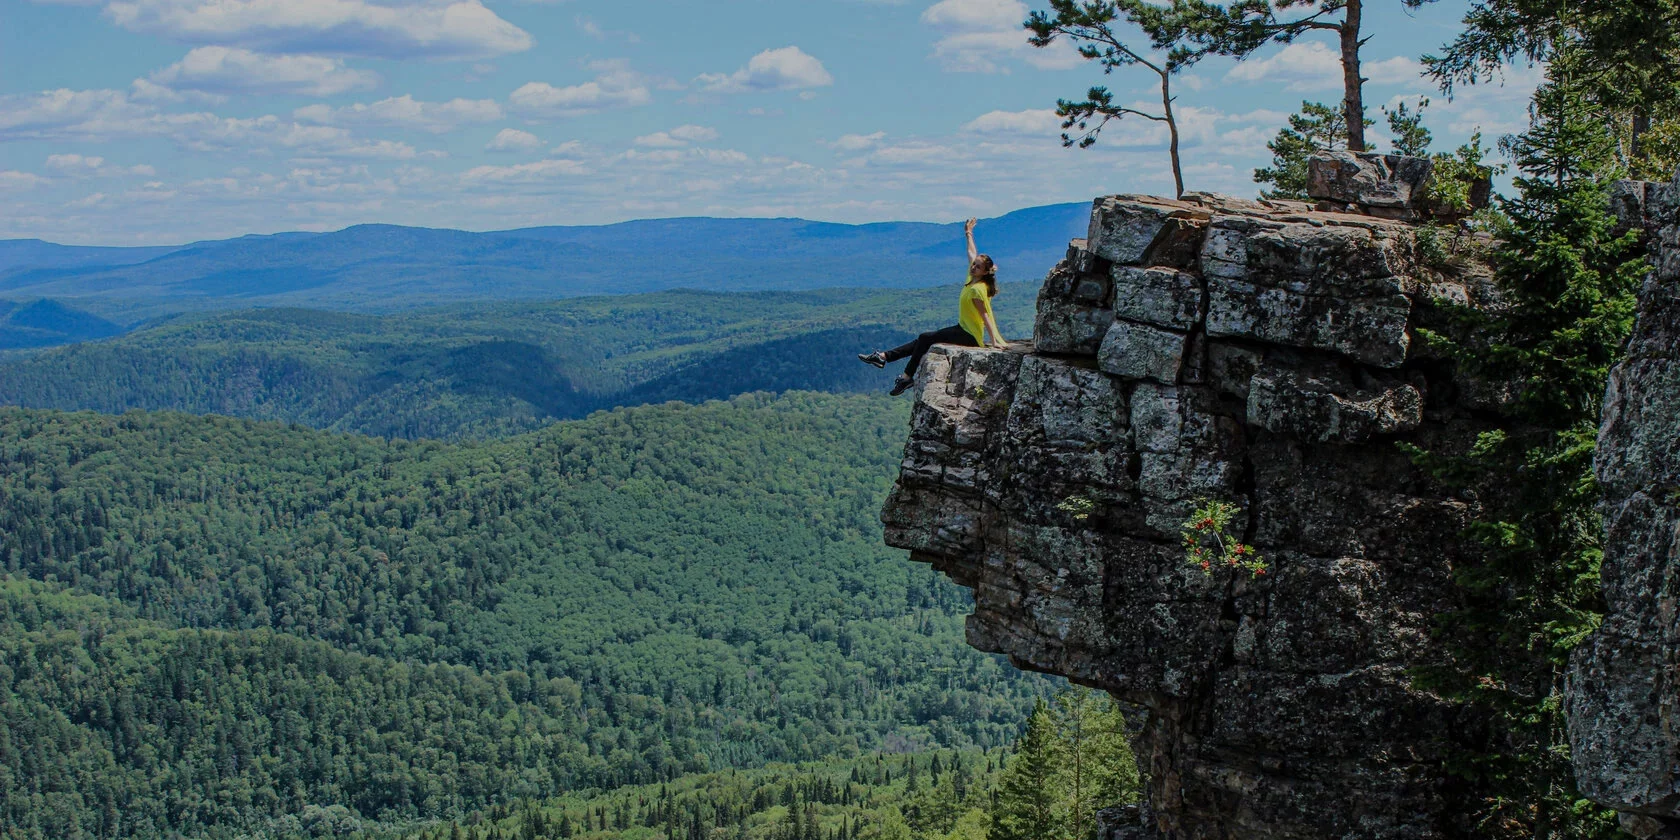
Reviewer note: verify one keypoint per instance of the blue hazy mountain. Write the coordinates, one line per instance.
(47, 323)
(377, 268)
(34, 253)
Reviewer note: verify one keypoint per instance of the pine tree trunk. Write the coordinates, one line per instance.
(1172, 131)
(1353, 101)
(1641, 124)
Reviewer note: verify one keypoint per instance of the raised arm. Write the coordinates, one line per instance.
(968, 230)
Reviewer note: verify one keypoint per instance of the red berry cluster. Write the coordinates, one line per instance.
(1206, 542)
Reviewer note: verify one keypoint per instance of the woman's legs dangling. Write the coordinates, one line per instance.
(918, 348)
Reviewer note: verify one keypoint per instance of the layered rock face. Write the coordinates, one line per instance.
(1624, 690)
(1265, 354)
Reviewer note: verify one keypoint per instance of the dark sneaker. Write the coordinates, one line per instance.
(877, 358)
(902, 384)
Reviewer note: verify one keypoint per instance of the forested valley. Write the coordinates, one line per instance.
(490, 370)
(214, 623)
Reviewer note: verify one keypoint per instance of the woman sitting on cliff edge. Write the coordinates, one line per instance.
(974, 320)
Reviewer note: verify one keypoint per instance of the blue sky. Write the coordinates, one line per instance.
(163, 121)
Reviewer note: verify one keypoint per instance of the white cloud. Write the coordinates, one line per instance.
(677, 137)
(406, 112)
(1493, 108)
(74, 163)
(1313, 66)
(514, 140)
(859, 142)
(61, 114)
(976, 15)
(223, 70)
(106, 115)
(446, 29)
(85, 166)
(542, 170)
(12, 179)
(1036, 123)
(976, 35)
(694, 133)
(221, 134)
(616, 86)
(787, 68)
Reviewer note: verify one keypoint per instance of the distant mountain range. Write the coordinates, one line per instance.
(383, 268)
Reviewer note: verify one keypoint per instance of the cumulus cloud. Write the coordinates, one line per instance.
(405, 112)
(616, 86)
(83, 166)
(12, 179)
(439, 29)
(220, 134)
(514, 140)
(677, 137)
(524, 173)
(65, 114)
(1311, 66)
(224, 70)
(787, 68)
(1036, 122)
(859, 142)
(105, 115)
(74, 163)
(977, 36)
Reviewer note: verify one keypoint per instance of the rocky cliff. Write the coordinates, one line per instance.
(1265, 354)
(1624, 690)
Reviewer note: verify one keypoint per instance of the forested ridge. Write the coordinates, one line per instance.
(491, 369)
(645, 593)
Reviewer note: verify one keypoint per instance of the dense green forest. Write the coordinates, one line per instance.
(938, 794)
(649, 592)
(494, 369)
(1072, 759)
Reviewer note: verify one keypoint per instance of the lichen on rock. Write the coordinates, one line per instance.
(1260, 353)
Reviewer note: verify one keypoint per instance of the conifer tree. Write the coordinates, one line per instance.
(1098, 769)
(1029, 790)
(1316, 128)
(1240, 28)
(1626, 55)
(1405, 124)
(1094, 29)
(1569, 282)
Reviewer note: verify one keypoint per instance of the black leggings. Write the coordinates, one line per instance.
(918, 347)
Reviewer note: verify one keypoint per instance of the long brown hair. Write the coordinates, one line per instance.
(987, 274)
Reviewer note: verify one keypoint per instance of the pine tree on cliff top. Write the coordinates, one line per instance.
(1315, 128)
(1569, 281)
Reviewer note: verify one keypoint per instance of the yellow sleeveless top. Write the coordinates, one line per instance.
(968, 317)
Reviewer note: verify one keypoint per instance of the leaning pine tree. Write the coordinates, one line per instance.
(1568, 279)
(1029, 790)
